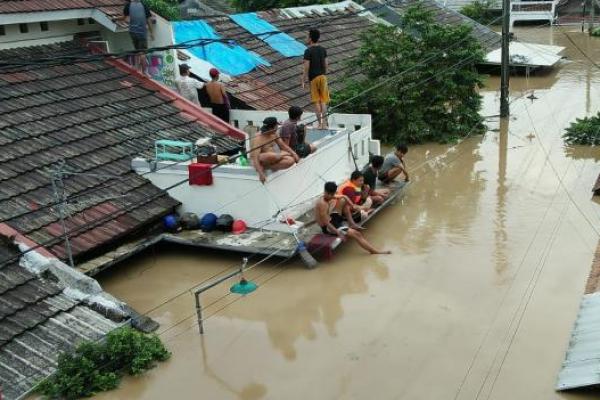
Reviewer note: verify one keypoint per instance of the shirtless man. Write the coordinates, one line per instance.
(219, 100)
(264, 156)
(331, 222)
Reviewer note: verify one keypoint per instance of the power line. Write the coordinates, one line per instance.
(198, 42)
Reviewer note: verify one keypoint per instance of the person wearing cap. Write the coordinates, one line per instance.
(187, 86)
(263, 154)
(219, 101)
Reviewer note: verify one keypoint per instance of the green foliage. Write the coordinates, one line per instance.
(95, 367)
(416, 101)
(480, 11)
(596, 32)
(256, 5)
(168, 9)
(584, 131)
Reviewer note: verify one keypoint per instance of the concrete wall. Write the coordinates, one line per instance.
(58, 31)
(236, 190)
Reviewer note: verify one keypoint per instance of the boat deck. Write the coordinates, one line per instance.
(253, 241)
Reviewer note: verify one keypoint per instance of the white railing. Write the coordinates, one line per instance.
(532, 11)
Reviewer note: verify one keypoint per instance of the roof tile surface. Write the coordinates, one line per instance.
(277, 87)
(37, 322)
(95, 117)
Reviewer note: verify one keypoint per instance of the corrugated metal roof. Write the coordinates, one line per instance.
(38, 322)
(581, 366)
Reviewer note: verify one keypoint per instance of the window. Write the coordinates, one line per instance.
(91, 21)
(2, 31)
(44, 26)
(80, 21)
(23, 28)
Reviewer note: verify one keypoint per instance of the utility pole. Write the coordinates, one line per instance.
(592, 16)
(505, 59)
(60, 198)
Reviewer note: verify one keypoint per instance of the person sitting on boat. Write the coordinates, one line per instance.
(263, 154)
(370, 173)
(294, 135)
(331, 221)
(353, 190)
(302, 148)
(393, 165)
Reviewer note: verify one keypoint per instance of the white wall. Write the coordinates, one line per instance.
(237, 190)
(58, 31)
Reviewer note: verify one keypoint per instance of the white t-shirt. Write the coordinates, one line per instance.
(188, 88)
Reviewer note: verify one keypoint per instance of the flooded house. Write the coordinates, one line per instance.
(73, 125)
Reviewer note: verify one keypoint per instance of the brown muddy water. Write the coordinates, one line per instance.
(492, 247)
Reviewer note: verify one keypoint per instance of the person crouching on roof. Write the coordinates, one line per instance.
(393, 165)
(331, 222)
(219, 100)
(263, 154)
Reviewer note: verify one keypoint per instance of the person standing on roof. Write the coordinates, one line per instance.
(140, 25)
(219, 100)
(315, 69)
(187, 86)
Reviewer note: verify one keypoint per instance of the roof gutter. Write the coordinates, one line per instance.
(187, 107)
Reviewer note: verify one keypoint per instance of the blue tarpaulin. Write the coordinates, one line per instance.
(231, 59)
(283, 43)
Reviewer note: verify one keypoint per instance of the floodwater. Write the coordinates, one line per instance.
(491, 250)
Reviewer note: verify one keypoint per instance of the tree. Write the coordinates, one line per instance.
(481, 11)
(168, 9)
(256, 5)
(584, 131)
(425, 78)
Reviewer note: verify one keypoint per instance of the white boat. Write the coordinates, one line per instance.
(286, 195)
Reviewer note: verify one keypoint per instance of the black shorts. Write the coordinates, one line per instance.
(383, 177)
(303, 150)
(140, 42)
(336, 220)
(221, 111)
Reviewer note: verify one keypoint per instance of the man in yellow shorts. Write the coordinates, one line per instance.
(315, 68)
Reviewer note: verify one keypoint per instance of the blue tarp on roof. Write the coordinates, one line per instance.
(283, 43)
(231, 59)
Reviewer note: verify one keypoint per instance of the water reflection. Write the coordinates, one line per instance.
(500, 235)
(443, 198)
(305, 301)
(251, 391)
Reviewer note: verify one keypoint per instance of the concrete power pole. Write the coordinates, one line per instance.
(60, 199)
(505, 59)
(592, 16)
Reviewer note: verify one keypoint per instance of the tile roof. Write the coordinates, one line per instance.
(112, 8)
(96, 117)
(38, 321)
(489, 39)
(16, 6)
(277, 87)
